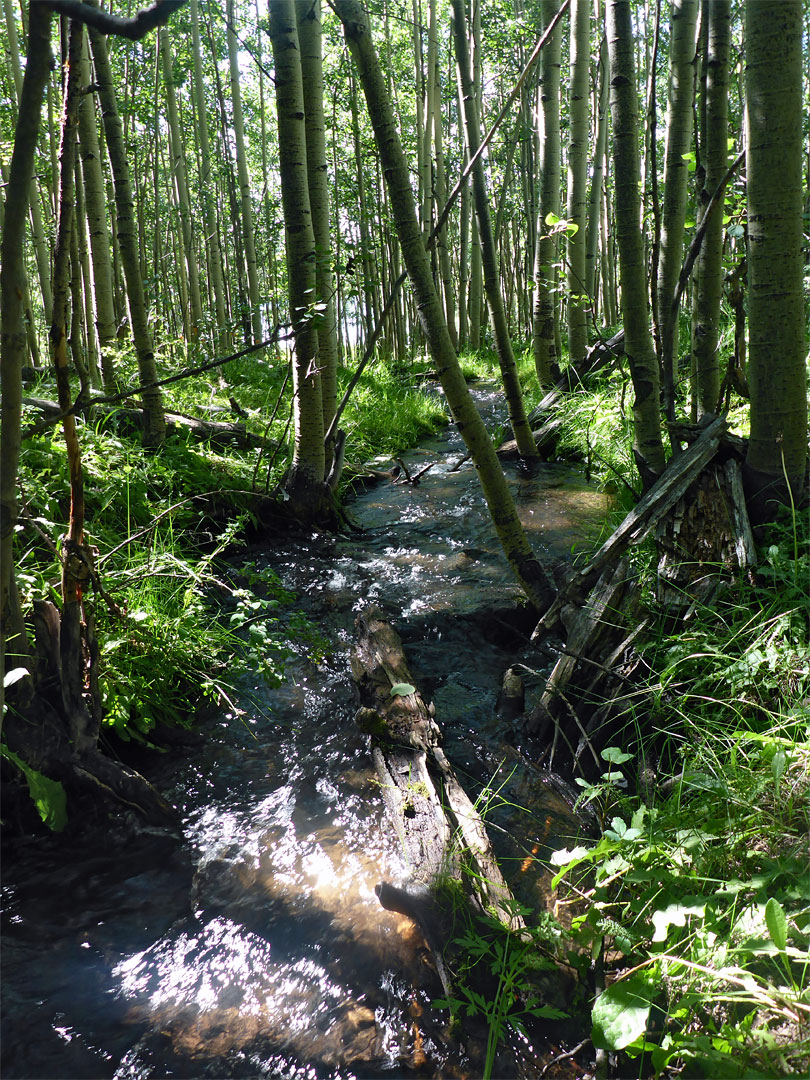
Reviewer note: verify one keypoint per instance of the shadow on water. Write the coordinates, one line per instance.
(257, 947)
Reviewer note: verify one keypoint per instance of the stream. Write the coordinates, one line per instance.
(257, 947)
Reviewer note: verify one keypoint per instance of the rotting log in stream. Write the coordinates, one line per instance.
(441, 832)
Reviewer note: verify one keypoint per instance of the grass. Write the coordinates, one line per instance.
(161, 524)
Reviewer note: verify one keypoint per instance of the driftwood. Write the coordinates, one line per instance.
(215, 431)
(443, 838)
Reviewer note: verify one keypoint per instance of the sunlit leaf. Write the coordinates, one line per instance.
(14, 676)
(402, 689)
(620, 1014)
(776, 921)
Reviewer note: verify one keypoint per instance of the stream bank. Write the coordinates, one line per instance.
(258, 947)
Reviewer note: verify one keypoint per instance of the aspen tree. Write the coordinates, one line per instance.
(647, 445)
(777, 449)
(544, 342)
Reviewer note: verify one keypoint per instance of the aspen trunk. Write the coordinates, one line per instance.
(676, 172)
(521, 428)
(647, 445)
(154, 420)
(245, 202)
(305, 482)
(544, 341)
(714, 158)
(777, 448)
(310, 39)
(578, 180)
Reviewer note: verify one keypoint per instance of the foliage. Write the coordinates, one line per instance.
(510, 958)
(161, 524)
(698, 893)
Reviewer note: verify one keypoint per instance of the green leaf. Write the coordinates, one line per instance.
(676, 915)
(615, 756)
(402, 689)
(620, 1014)
(48, 795)
(776, 921)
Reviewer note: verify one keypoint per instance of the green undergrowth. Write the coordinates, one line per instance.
(178, 620)
(696, 896)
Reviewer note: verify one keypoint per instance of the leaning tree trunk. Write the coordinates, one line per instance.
(37, 231)
(777, 449)
(521, 428)
(305, 482)
(154, 429)
(638, 345)
(513, 539)
(13, 338)
(544, 338)
(578, 97)
(709, 269)
(676, 172)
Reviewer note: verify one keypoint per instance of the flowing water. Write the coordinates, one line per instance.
(257, 947)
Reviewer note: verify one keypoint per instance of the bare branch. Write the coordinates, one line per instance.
(135, 28)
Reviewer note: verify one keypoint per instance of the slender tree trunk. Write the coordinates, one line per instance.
(311, 42)
(96, 209)
(245, 202)
(514, 396)
(597, 177)
(676, 173)
(647, 445)
(578, 97)
(207, 187)
(305, 482)
(544, 341)
(181, 182)
(442, 247)
(714, 159)
(777, 448)
(41, 250)
(510, 532)
(13, 340)
(154, 433)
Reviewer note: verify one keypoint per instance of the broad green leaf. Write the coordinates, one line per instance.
(402, 688)
(776, 921)
(552, 219)
(48, 795)
(620, 1014)
(676, 915)
(615, 756)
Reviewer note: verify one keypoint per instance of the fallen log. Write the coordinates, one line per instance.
(218, 432)
(437, 823)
